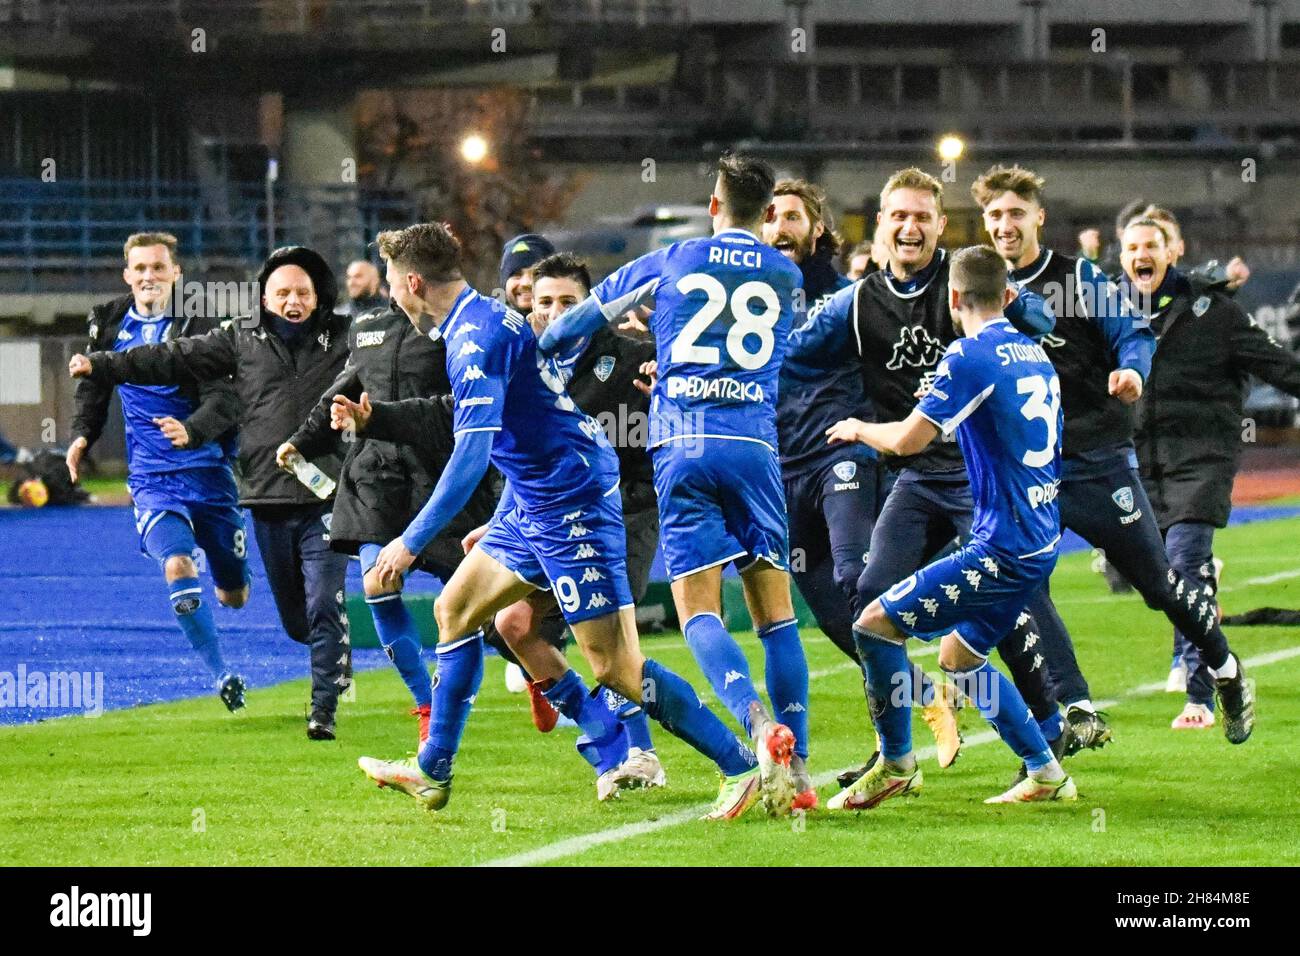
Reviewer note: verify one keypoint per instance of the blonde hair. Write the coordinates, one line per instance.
(913, 178)
(139, 240)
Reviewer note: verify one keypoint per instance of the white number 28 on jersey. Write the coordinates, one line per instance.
(1044, 402)
(747, 322)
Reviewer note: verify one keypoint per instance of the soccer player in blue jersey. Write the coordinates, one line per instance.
(558, 527)
(998, 392)
(179, 445)
(1102, 349)
(723, 311)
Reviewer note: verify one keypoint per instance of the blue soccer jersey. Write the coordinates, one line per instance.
(148, 450)
(999, 392)
(553, 454)
(723, 311)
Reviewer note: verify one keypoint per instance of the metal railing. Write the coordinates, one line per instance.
(310, 16)
(79, 226)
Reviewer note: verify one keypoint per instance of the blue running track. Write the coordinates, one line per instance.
(77, 596)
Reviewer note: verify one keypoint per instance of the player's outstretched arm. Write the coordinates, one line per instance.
(578, 322)
(627, 288)
(220, 409)
(828, 332)
(907, 437)
(315, 436)
(466, 468)
(1030, 313)
(190, 359)
(422, 423)
(1255, 352)
(1126, 330)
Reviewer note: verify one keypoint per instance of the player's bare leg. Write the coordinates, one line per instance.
(698, 598)
(235, 598)
(612, 646)
(480, 586)
(519, 623)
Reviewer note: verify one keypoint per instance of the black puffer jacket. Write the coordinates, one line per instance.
(601, 385)
(277, 384)
(216, 403)
(383, 485)
(1190, 429)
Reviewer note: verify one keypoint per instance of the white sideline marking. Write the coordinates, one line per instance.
(1268, 578)
(581, 844)
(1249, 582)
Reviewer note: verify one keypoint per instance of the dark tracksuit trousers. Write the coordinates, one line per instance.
(1190, 546)
(306, 580)
(831, 517)
(1111, 512)
(921, 517)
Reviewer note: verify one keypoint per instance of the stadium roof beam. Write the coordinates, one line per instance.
(979, 151)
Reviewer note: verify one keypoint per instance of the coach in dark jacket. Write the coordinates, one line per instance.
(282, 359)
(1190, 428)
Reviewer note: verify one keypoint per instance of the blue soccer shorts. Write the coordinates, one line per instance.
(976, 591)
(580, 555)
(172, 519)
(720, 500)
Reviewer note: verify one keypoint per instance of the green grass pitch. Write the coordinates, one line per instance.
(185, 783)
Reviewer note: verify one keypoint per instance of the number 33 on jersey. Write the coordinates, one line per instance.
(723, 311)
(999, 392)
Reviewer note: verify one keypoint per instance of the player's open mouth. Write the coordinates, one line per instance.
(293, 315)
(908, 243)
(1144, 273)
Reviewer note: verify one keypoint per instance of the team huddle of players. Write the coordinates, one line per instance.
(918, 439)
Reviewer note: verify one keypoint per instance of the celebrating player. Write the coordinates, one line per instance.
(723, 309)
(600, 376)
(997, 391)
(897, 320)
(1102, 350)
(833, 493)
(558, 526)
(281, 358)
(180, 442)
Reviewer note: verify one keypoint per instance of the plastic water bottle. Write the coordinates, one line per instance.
(320, 484)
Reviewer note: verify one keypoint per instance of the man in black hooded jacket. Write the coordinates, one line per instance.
(383, 485)
(1190, 425)
(282, 358)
